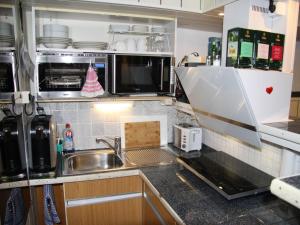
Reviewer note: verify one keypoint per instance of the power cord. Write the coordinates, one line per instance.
(32, 103)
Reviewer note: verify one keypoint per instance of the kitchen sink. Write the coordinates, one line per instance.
(90, 161)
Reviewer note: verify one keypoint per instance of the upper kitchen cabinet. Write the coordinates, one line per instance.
(191, 5)
(208, 5)
(98, 31)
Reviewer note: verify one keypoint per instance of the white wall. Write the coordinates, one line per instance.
(189, 41)
(296, 78)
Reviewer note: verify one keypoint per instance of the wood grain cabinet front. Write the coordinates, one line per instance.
(38, 196)
(154, 212)
(115, 201)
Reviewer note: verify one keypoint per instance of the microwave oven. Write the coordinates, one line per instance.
(8, 77)
(62, 75)
(140, 74)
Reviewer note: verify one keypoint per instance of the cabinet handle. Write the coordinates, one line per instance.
(181, 3)
(99, 200)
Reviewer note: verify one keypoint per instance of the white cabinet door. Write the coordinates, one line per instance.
(155, 3)
(223, 2)
(125, 2)
(191, 5)
(208, 4)
(171, 4)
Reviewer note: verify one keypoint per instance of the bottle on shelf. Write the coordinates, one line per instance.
(276, 51)
(214, 49)
(262, 47)
(68, 145)
(240, 48)
(217, 61)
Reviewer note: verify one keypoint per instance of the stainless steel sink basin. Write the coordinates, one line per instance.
(91, 161)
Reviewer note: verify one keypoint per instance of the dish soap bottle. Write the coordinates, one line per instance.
(68, 139)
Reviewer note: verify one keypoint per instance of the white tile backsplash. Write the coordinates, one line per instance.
(267, 159)
(89, 122)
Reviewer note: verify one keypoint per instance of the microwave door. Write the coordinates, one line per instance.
(8, 82)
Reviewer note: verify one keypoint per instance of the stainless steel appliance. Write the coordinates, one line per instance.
(140, 74)
(62, 75)
(42, 144)
(12, 147)
(187, 137)
(8, 79)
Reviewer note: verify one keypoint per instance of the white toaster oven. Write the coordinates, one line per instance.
(187, 137)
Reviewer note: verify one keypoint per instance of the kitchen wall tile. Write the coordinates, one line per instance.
(84, 116)
(112, 129)
(70, 116)
(96, 115)
(70, 106)
(85, 106)
(88, 122)
(97, 129)
(84, 130)
(58, 116)
(267, 159)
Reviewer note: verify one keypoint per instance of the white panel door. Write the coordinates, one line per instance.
(155, 3)
(191, 5)
(171, 4)
(223, 2)
(207, 4)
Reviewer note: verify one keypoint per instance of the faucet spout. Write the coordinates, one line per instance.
(116, 143)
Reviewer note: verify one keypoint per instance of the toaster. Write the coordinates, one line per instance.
(187, 137)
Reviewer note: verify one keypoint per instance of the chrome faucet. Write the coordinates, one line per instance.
(116, 143)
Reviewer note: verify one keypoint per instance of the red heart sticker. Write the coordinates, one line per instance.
(269, 90)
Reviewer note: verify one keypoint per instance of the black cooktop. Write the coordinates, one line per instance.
(229, 176)
(291, 126)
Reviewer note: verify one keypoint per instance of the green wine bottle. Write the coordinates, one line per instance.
(262, 47)
(240, 48)
(276, 51)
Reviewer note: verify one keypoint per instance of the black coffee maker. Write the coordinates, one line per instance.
(42, 144)
(12, 147)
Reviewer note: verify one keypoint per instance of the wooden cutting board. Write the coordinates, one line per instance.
(142, 134)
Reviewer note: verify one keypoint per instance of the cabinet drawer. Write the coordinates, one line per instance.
(111, 213)
(112, 186)
(166, 216)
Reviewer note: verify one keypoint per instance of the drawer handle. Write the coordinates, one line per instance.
(99, 200)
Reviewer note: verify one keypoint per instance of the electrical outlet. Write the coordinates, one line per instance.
(21, 97)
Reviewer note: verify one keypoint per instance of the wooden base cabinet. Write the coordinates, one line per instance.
(154, 212)
(115, 201)
(119, 212)
(58, 192)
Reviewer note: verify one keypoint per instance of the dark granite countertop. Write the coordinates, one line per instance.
(197, 203)
(294, 181)
(291, 126)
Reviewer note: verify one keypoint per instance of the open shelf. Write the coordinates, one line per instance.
(102, 51)
(167, 99)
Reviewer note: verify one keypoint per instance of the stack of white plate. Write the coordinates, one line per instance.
(6, 35)
(140, 28)
(158, 29)
(54, 42)
(55, 36)
(90, 45)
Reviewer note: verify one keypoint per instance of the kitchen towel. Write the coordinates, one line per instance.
(15, 209)
(92, 87)
(50, 213)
